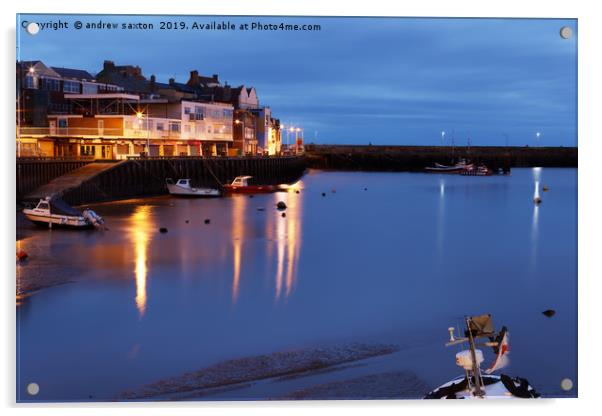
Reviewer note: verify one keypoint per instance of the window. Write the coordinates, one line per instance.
(50, 84)
(198, 112)
(90, 88)
(186, 110)
(31, 82)
(227, 113)
(209, 129)
(160, 127)
(71, 87)
(62, 122)
(175, 127)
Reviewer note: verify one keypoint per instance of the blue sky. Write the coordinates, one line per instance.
(359, 80)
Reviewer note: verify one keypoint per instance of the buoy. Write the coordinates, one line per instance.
(283, 214)
(545, 188)
(163, 230)
(549, 312)
(281, 205)
(187, 221)
(207, 221)
(323, 193)
(260, 209)
(365, 189)
(21, 255)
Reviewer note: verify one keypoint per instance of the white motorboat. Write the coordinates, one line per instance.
(183, 188)
(54, 212)
(474, 384)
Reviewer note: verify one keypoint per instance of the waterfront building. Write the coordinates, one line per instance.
(120, 113)
(41, 94)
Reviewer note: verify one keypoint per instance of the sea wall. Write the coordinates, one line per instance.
(34, 172)
(416, 158)
(146, 176)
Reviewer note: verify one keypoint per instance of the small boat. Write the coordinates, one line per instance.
(481, 170)
(54, 212)
(241, 185)
(183, 188)
(457, 168)
(474, 384)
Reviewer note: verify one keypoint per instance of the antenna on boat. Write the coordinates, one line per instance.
(476, 370)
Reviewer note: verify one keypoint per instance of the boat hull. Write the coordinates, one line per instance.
(496, 387)
(450, 170)
(180, 191)
(250, 189)
(63, 221)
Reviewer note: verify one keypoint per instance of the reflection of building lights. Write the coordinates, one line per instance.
(288, 240)
(238, 228)
(140, 234)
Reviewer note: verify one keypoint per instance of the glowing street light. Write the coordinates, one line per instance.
(537, 136)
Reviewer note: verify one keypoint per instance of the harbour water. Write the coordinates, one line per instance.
(379, 258)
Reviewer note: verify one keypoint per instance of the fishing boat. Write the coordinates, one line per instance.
(241, 184)
(475, 384)
(459, 167)
(183, 188)
(54, 212)
(480, 170)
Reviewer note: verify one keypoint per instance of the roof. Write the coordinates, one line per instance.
(79, 74)
(128, 83)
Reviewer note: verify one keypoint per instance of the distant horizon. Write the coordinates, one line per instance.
(496, 82)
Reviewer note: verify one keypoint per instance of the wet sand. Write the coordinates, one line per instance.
(390, 385)
(239, 373)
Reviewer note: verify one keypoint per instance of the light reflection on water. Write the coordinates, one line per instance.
(140, 232)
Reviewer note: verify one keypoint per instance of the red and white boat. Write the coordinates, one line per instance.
(481, 170)
(241, 185)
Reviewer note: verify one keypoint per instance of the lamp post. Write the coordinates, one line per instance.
(442, 137)
(139, 116)
(297, 138)
(537, 136)
(242, 135)
(31, 71)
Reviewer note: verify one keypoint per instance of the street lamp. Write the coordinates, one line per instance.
(537, 136)
(242, 135)
(442, 137)
(139, 116)
(31, 70)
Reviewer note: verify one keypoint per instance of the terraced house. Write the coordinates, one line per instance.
(119, 113)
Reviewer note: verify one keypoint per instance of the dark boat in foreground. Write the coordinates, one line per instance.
(474, 384)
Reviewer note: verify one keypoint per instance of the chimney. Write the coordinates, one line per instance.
(194, 79)
(215, 77)
(107, 65)
(172, 81)
(153, 79)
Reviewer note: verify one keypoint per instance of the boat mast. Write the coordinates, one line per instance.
(476, 371)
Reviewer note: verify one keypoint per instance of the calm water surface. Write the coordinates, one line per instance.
(383, 257)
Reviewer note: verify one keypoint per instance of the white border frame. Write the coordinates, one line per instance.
(590, 273)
